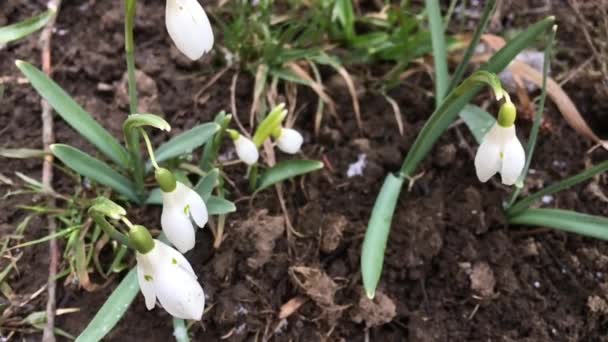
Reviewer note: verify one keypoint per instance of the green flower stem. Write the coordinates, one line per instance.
(253, 177)
(130, 53)
(132, 138)
(107, 227)
(150, 149)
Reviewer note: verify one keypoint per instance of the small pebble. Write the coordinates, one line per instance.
(536, 284)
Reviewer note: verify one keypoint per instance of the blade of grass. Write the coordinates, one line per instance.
(433, 11)
(562, 185)
(11, 33)
(537, 117)
(488, 9)
(58, 234)
(565, 220)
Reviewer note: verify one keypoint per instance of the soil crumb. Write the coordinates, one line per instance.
(374, 312)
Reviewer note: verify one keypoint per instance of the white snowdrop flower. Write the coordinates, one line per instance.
(500, 151)
(246, 150)
(189, 27)
(164, 274)
(181, 206)
(289, 140)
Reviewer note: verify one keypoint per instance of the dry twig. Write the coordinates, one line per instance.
(48, 334)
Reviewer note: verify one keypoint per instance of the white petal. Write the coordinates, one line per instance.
(513, 161)
(179, 293)
(178, 228)
(177, 197)
(246, 150)
(487, 160)
(290, 140)
(146, 286)
(189, 27)
(197, 208)
(171, 256)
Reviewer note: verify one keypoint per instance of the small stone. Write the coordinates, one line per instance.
(482, 279)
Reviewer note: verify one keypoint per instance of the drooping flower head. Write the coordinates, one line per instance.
(164, 274)
(289, 140)
(245, 148)
(189, 27)
(181, 206)
(500, 150)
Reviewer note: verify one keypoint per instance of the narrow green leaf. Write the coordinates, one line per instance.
(219, 206)
(481, 27)
(504, 56)
(477, 120)
(442, 78)
(540, 110)
(21, 153)
(343, 12)
(112, 310)
(24, 28)
(95, 169)
(285, 170)
(206, 185)
(185, 142)
(74, 114)
(566, 220)
(559, 186)
(376, 235)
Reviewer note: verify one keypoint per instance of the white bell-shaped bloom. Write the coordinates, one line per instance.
(290, 141)
(165, 274)
(246, 150)
(180, 207)
(500, 151)
(189, 27)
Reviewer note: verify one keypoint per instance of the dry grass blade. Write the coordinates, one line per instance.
(260, 84)
(396, 111)
(353, 94)
(317, 87)
(554, 90)
(291, 306)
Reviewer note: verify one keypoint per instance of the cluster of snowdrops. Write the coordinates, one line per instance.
(164, 274)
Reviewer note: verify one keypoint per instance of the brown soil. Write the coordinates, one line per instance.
(454, 271)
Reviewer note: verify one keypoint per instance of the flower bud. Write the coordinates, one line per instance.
(290, 140)
(141, 239)
(166, 179)
(507, 114)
